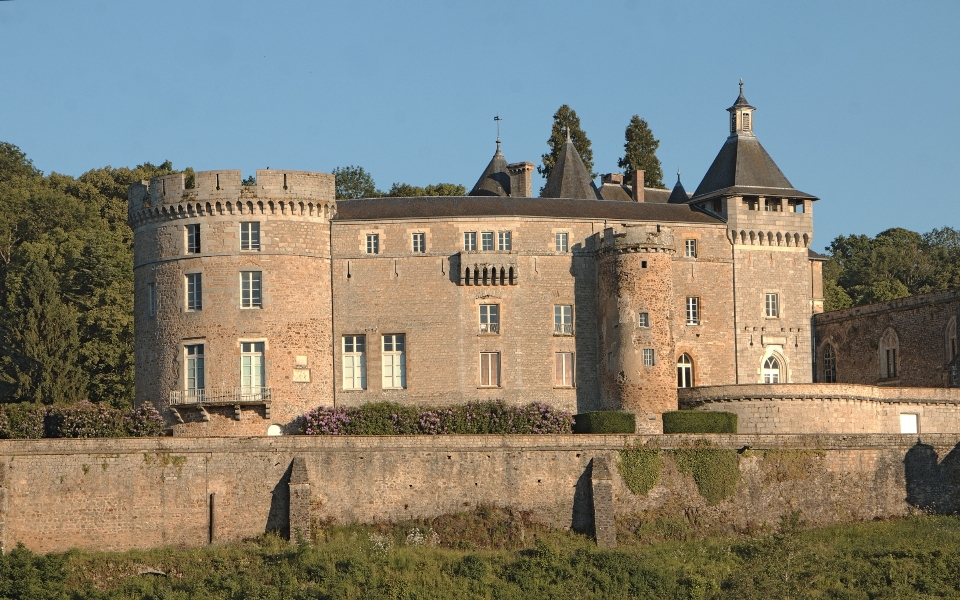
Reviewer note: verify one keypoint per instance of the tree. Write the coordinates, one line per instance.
(405, 190)
(640, 153)
(354, 182)
(566, 119)
(41, 341)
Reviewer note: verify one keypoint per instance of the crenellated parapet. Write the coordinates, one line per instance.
(279, 193)
(643, 238)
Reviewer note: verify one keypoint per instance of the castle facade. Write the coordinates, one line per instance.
(255, 304)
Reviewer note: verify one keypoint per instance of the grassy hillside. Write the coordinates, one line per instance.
(911, 558)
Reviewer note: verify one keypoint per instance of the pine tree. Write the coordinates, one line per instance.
(566, 119)
(640, 153)
(43, 345)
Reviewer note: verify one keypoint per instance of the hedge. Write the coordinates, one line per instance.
(388, 418)
(82, 420)
(699, 421)
(605, 421)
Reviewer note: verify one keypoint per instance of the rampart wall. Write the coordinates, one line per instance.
(135, 493)
(828, 408)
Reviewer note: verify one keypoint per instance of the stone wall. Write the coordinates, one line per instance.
(135, 493)
(829, 408)
(924, 326)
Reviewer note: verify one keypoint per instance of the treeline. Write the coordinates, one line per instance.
(894, 264)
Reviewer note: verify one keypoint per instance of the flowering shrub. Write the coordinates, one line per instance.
(22, 421)
(82, 420)
(385, 418)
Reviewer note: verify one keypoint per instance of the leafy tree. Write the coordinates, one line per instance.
(566, 119)
(42, 341)
(14, 163)
(640, 153)
(405, 190)
(354, 182)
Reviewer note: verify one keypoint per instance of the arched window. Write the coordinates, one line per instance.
(771, 370)
(889, 355)
(950, 349)
(684, 371)
(829, 364)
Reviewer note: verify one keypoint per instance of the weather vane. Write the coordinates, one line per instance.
(497, 120)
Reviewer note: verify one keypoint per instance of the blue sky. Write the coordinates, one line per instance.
(859, 103)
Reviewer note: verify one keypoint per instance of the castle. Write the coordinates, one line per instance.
(257, 303)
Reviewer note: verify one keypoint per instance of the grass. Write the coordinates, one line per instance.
(917, 557)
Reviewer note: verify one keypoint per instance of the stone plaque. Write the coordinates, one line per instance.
(301, 375)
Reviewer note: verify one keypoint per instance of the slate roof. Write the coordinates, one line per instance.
(495, 180)
(488, 206)
(616, 191)
(743, 168)
(678, 195)
(569, 177)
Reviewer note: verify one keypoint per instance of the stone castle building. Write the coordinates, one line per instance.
(255, 304)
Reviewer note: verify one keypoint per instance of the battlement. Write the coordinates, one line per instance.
(228, 186)
(651, 238)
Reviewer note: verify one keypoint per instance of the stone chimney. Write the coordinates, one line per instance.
(521, 179)
(638, 186)
(612, 178)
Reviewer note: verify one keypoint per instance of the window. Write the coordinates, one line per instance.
(795, 206)
(773, 305)
(419, 242)
(643, 319)
(693, 310)
(193, 380)
(194, 291)
(648, 357)
(373, 243)
(489, 369)
(684, 371)
(829, 364)
(251, 370)
(563, 369)
(561, 241)
(751, 203)
(193, 239)
(771, 370)
(489, 318)
(486, 240)
(909, 423)
(746, 121)
(690, 248)
(503, 240)
(394, 361)
(250, 235)
(771, 204)
(950, 340)
(470, 240)
(250, 289)
(354, 362)
(152, 299)
(563, 319)
(889, 359)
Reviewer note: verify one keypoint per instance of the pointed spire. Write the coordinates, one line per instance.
(495, 180)
(569, 177)
(678, 195)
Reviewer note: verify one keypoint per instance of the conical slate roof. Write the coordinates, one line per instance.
(678, 195)
(569, 177)
(743, 167)
(495, 180)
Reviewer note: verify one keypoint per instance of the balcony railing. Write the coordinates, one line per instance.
(563, 328)
(222, 396)
(489, 327)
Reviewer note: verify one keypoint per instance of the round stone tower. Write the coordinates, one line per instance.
(232, 309)
(638, 366)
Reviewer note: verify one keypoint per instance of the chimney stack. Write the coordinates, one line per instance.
(638, 186)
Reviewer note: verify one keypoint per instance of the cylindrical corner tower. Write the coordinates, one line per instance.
(637, 368)
(232, 310)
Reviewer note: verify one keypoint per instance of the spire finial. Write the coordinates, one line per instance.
(678, 174)
(568, 133)
(497, 120)
(741, 86)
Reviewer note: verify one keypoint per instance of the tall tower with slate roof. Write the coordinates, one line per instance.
(770, 228)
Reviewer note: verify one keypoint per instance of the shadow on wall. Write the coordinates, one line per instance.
(932, 485)
(582, 521)
(279, 518)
